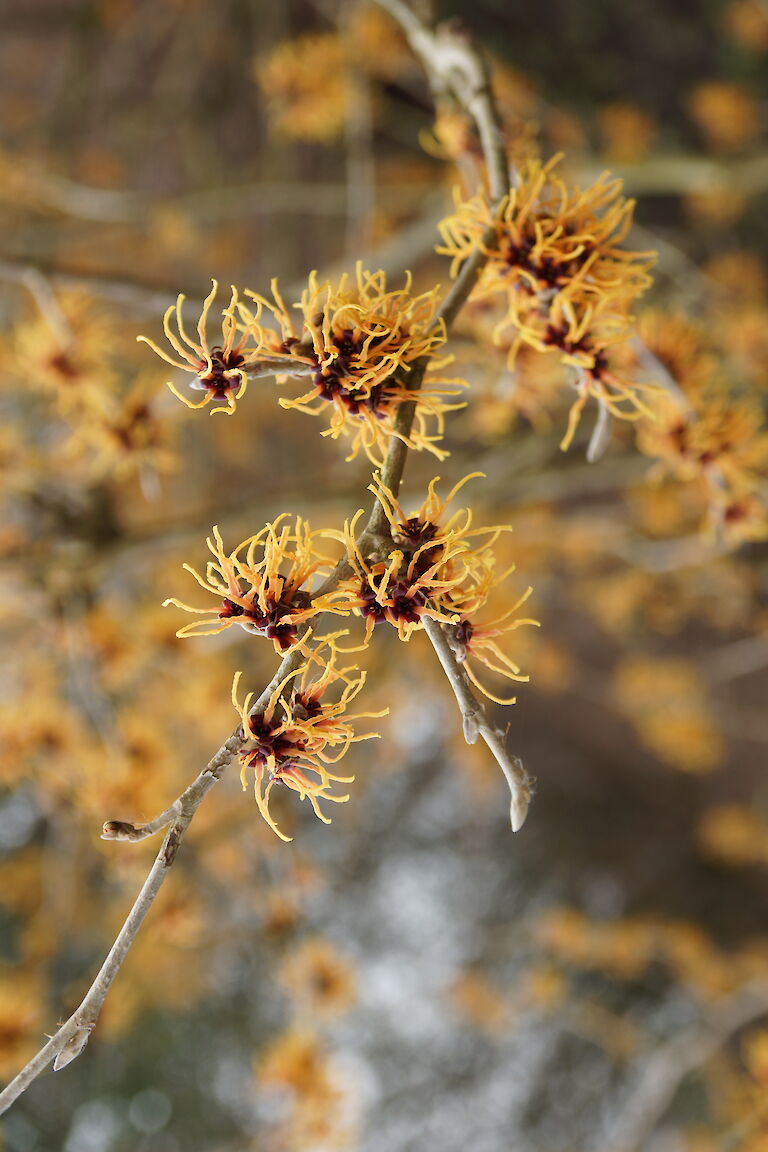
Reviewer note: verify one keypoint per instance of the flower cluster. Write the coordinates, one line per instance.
(263, 585)
(719, 442)
(309, 82)
(555, 256)
(443, 572)
(113, 430)
(60, 352)
(297, 737)
(359, 340)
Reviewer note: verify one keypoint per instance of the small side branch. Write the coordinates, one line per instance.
(478, 726)
(70, 1039)
(453, 65)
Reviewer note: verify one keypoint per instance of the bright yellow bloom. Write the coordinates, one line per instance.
(220, 370)
(475, 641)
(555, 256)
(295, 739)
(263, 585)
(546, 236)
(359, 340)
(443, 572)
(428, 564)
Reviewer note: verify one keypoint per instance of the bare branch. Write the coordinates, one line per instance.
(454, 65)
(71, 1038)
(666, 1069)
(477, 725)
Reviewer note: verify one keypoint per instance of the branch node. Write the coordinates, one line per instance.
(122, 830)
(73, 1047)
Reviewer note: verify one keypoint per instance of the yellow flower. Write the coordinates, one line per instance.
(546, 236)
(681, 345)
(20, 1000)
(293, 741)
(720, 432)
(220, 370)
(132, 439)
(263, 585)
(747, 22)
(359, 340)
(431, 571)
(305, 86)
(727, 114)
(627, 131)
(666, 702)
(734, 833)
(554, 254)
(65, 352)
(319, 977)
(473, 640)
(740, 519)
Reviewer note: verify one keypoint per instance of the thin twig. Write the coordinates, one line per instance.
(667, 1068)
(477, 725)
(453, 65)
(71, 1038)
(358, 137)
(451, 62)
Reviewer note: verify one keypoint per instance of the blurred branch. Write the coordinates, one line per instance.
(665, 1070)
(140, 297)
(47, 190)
(453, 65)
(358, 138)
(741, 658)
(407, 246)
(681, 174)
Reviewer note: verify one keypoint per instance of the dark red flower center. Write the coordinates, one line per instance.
(334, 382)
(269, 742)
(225, 373)
(268, 622)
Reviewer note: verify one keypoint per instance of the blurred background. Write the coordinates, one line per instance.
(413, 976)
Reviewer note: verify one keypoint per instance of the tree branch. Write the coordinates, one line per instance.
(661, 1076)
(477, 725)
(71, 1038)
(452, 64)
